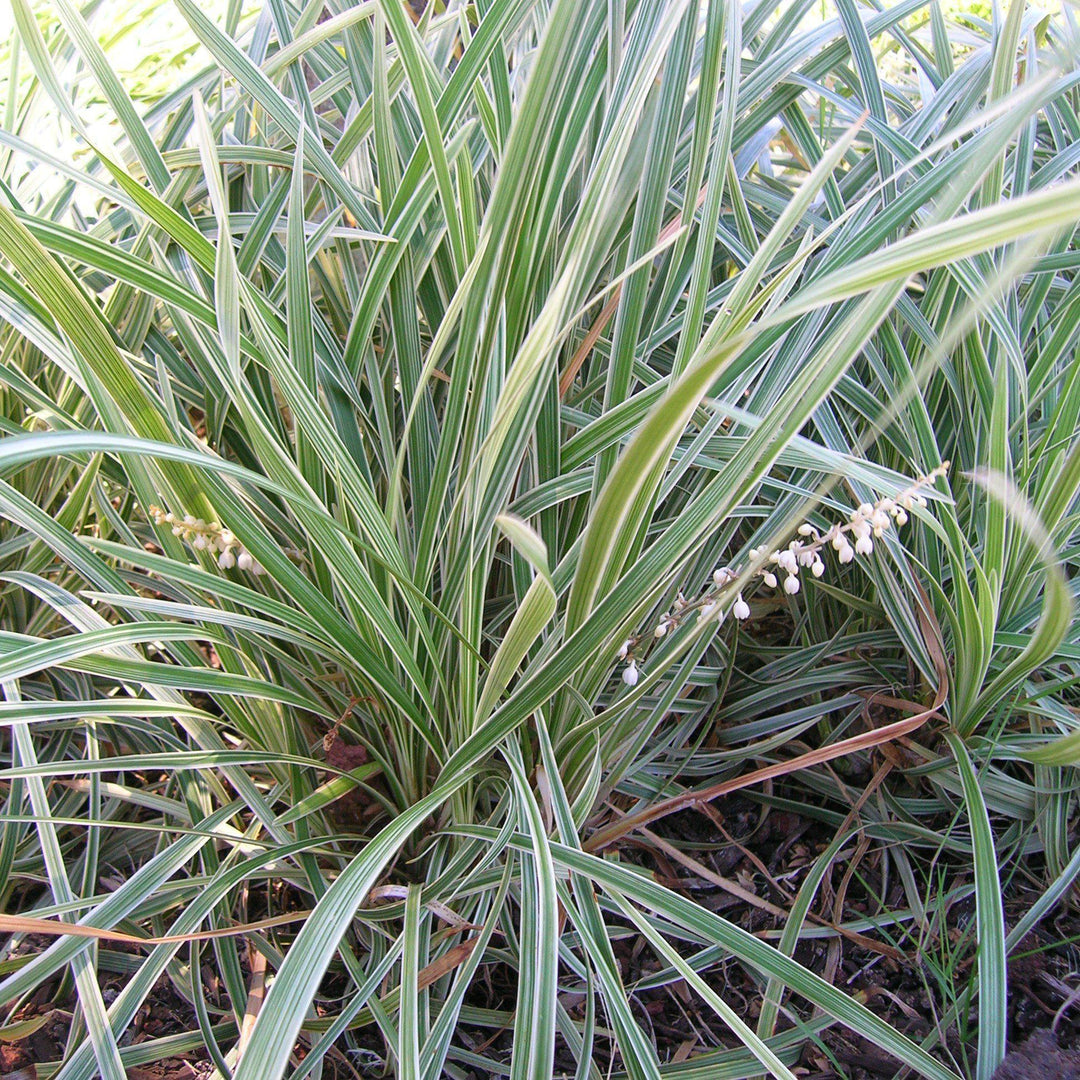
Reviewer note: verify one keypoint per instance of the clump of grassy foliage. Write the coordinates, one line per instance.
(373, 387)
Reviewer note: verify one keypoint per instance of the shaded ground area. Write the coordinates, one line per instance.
(913, 980)
(745, 862)
(1040, 1056)
(48, 1015)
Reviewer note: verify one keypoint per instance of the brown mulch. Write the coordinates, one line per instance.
(1040, 1057)
(764, 854)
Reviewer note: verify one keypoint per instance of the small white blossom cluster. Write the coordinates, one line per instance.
(209, 536)
(866, 523)
(708, 606)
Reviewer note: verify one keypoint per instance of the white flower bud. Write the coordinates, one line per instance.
(806, 529)
(818, 568)
(624, 648)
(865, 510)
(807, 557)
(839, 541)
(846, 554)
(901, 517)
(741, 609)
(178, 530)
(791, 585)
(226, 560)
(257, 568)
(788, 562)
(630, 674)
(200, 543)
(769, 579)
(707, 612)
(189, 519)
(880, 520)
(755, 552)
(244, 561)
(661, 629)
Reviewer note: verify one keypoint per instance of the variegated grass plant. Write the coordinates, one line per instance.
(388, 381)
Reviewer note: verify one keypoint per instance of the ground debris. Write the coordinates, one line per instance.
(1040, 1056)
(16, 1064)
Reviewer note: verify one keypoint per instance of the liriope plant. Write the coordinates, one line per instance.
(388, 384)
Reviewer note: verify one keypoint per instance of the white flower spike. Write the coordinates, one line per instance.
(867, 522)
(211, 538)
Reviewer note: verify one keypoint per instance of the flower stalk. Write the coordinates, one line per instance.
(866, 523)
(209, 536)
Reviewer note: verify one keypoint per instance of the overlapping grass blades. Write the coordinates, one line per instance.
(332, 294)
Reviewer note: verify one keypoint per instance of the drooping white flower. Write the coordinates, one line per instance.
(722, 575)
(851, 537)
(244, 561)
(226, 560)
(630, 674)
